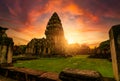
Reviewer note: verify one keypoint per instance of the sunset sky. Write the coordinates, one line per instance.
(84, 21)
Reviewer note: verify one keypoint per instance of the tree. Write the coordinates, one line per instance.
(19, 49)
(105, 46)
(102, 51)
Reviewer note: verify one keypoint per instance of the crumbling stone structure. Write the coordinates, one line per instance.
(26, 74)
(80, 75)
(38, 47)
(53, 44)
(114, 34)
(6, 45)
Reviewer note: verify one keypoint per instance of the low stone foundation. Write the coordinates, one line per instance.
(26, 74)
(80, 75)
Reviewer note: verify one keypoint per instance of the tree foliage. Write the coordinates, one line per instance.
(105, 45)
(102, 51)
(19, 49)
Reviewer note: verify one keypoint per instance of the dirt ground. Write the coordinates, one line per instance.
(5, 79)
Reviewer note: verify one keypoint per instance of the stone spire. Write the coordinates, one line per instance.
(54, 27)
(55, 17)
(54, 32)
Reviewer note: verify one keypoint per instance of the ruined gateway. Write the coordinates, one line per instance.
(6, 46)
(54, 43)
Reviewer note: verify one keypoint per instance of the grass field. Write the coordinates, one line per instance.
(79, 62)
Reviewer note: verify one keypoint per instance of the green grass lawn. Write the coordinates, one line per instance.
(77, 62)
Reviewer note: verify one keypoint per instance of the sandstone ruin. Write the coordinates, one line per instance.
(115, 50)
(53, 44)
(6, 45)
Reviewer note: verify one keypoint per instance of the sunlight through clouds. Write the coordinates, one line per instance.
(84, 21)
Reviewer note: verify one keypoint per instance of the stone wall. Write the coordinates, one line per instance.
(25, 74)
(39, 47)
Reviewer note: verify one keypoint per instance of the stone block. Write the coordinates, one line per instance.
(80, 75)
(49, 76)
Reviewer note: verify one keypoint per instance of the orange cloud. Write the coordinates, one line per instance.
(83, 22)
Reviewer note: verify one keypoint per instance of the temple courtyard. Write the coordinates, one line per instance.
(57, 64)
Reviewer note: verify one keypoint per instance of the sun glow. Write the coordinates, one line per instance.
(70, 41)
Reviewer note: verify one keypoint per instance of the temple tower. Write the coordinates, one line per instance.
(55, 34)
(54, 44)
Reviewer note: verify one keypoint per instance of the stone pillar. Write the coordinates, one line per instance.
(4, 54)
(48, 50)
(0, 52)
(6, 45)
(44, 51)
(114, 34)
(29, 50)
(9, 56)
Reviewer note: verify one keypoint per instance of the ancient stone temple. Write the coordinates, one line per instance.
(53, 44)
(6, 45)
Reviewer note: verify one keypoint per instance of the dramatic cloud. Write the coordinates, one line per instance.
(84, 21)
